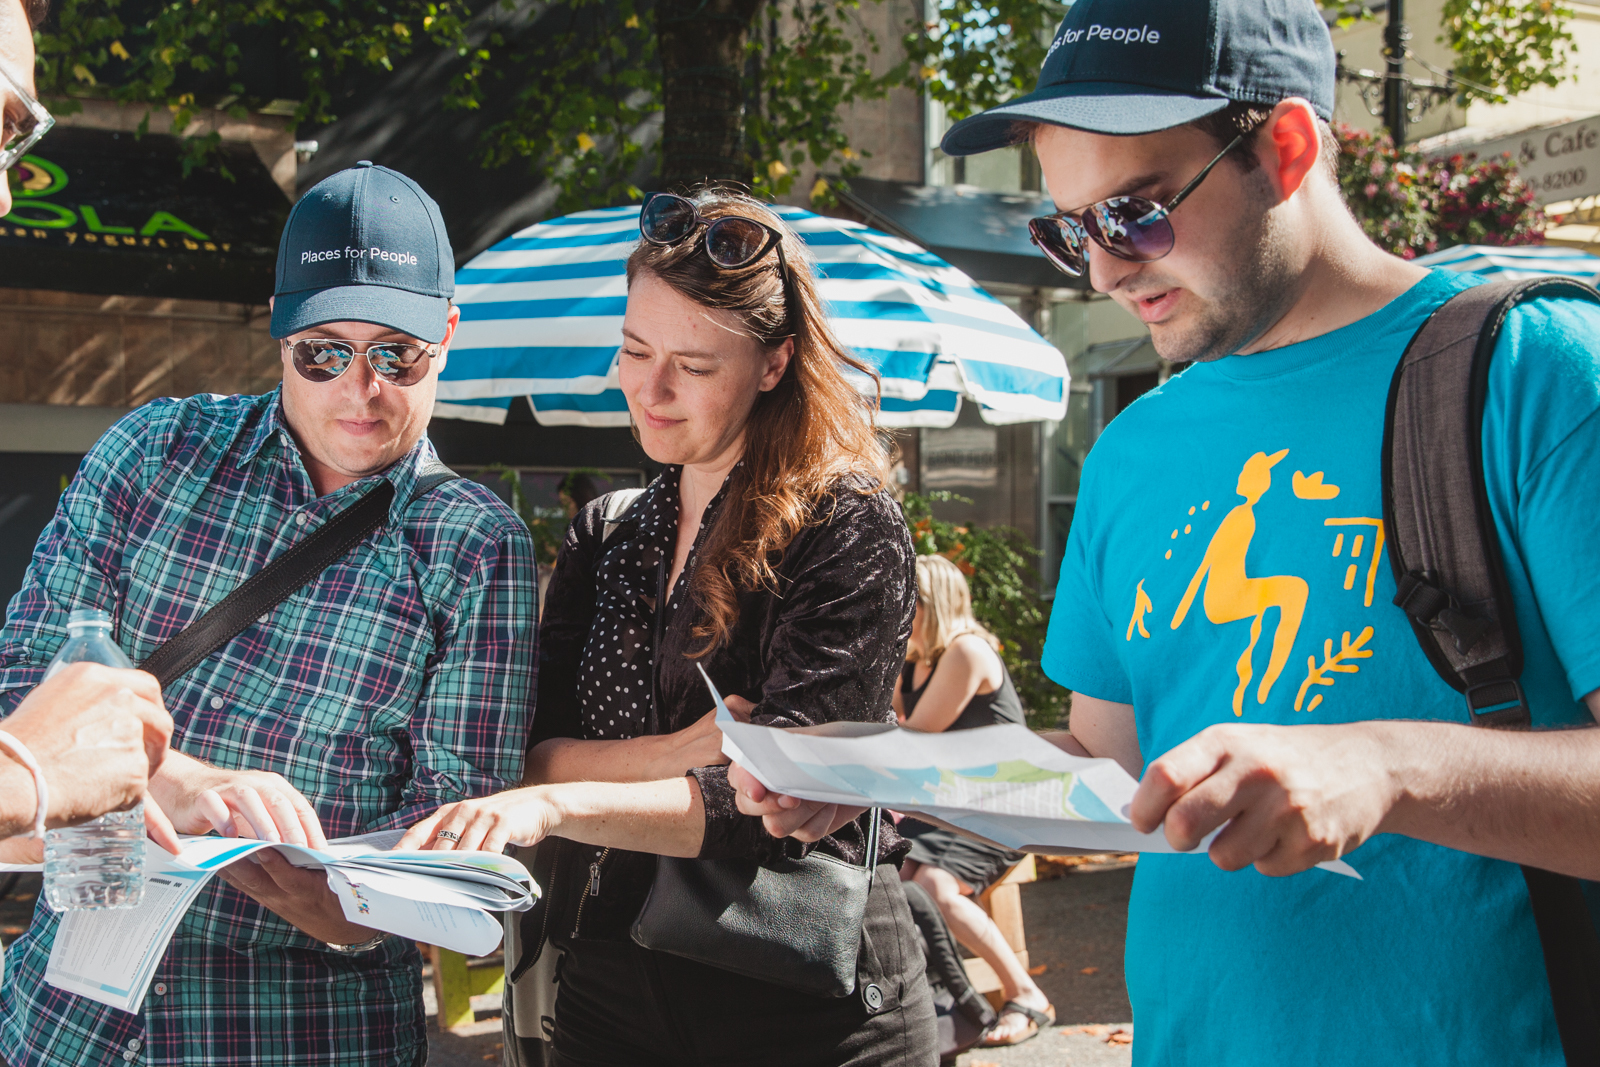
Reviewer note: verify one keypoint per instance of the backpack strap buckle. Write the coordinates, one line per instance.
(1420, 597)
(1499, 703)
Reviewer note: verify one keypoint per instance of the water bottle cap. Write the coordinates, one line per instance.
(89, 617)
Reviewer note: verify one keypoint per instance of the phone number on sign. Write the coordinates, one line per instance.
(1563, 179)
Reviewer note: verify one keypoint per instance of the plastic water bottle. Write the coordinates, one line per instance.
(100, 863)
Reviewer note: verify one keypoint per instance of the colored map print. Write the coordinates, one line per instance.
(1011, 787)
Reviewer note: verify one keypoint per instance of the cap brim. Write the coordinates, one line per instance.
(1098, 107)
(419, 316)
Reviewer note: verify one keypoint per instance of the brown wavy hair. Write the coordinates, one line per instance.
(805, 436)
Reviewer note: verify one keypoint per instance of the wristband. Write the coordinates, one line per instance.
(365, 946)
(20, 753)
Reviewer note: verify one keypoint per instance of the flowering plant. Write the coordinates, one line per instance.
(1411, 206)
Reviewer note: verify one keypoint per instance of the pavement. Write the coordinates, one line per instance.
(1075, 925)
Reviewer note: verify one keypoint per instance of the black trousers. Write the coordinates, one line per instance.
(622, 1006)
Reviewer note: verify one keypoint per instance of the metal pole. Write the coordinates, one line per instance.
(1395, 36)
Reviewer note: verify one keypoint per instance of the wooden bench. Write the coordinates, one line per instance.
(1003, 902)
(457, 979)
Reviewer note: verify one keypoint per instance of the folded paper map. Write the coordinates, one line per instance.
(1003, 783)
(441, 898)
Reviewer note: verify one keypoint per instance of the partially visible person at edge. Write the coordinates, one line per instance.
(787, 575)
(1224, 615)
(121, 710)
(399, 679)
(954, 679)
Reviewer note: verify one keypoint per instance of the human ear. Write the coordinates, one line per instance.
(1296, 145)
(777, 363)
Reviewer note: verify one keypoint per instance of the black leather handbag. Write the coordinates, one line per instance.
(795, 923)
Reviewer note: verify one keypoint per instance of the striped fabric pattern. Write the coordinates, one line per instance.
(541, 317)
(398, 680)
(1518, 262)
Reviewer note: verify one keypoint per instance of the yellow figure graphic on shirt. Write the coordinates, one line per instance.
(1231, 595)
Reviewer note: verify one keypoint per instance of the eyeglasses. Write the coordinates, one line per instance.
(1129, 227)
(23, 120)
(322, 359)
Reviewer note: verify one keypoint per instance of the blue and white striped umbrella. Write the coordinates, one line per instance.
(541, 317)
(1518, 262)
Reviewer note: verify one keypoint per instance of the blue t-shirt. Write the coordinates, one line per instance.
(1226, 564)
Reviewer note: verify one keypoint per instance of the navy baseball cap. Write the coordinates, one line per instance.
(1138, 66)
(365, 245)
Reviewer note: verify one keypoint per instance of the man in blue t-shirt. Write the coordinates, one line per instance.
(1224, 613)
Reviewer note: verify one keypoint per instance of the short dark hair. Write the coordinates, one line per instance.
(1241, 117)
(36, 11)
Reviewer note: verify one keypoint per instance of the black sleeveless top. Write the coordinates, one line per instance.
(984, 709)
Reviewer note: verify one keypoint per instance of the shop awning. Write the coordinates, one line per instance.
(984, 234)
(97, 211)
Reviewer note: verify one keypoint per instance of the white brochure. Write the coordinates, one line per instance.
(441, 898)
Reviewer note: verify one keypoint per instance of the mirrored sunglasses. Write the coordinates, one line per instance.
(322, 359)
(1133, 228)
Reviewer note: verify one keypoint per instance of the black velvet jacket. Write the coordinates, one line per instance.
(827, 647)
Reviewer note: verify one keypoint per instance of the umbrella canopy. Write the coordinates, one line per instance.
(1516, 262)
(541, 317)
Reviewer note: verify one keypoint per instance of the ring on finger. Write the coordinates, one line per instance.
(448, 835)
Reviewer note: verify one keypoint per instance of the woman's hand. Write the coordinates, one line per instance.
(786, 816)
(198, 798)
(516, 817)
(697, 745)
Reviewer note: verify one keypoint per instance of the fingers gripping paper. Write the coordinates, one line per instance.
(1003, 783)
(441, 898)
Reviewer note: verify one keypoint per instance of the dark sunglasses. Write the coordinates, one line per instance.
(322, 359)
(731, 242)
(1129, 227)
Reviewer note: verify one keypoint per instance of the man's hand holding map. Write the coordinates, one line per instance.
(1003, 783)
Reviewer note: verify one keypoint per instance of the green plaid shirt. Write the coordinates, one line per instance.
(397, 681)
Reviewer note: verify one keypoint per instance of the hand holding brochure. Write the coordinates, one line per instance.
(1003, 783)
(441, 898)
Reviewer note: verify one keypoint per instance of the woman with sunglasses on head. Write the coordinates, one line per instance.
(770, 554)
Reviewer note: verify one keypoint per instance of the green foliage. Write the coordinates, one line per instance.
(95, 53)
(583, 89)
(808, 69)
(1506, 47)
(1410, 206)
(586, 87)
(977, 54)
(998, 563)
(1386, 191)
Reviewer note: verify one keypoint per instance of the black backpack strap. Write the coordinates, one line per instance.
(1451, 579)
(275, 582)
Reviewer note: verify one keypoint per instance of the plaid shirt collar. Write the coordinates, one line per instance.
(271, 429)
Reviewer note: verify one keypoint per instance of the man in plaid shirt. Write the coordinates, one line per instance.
(398, 680)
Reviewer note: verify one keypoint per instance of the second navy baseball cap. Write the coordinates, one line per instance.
(1138, 66)
(365, 245)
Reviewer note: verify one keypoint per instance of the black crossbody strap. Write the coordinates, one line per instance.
(1451, 579)
(275, 582)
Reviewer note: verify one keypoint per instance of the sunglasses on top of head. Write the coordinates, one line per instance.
(322, 359)
(731, 242)
(1133, 228)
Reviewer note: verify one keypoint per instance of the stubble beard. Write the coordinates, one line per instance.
(1253, 289)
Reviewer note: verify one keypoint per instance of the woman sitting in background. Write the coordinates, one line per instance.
(954, 679)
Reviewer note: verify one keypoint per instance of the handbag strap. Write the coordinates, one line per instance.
(275, 582)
